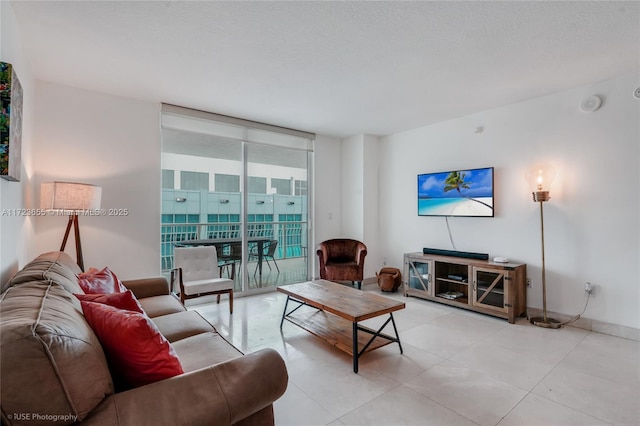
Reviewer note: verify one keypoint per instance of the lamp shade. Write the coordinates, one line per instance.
(69, 196)
(540, 177)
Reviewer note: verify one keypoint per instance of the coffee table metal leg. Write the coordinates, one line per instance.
(355, 347)
(284, 313)
(374, 335)
(393, 322)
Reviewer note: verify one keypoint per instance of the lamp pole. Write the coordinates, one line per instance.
(73, 220)
(544, 272)
(544, 321)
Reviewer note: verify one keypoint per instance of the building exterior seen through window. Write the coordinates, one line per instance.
(195, 212)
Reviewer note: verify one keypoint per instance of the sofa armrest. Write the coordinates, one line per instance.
(148, 287)
(222, 394)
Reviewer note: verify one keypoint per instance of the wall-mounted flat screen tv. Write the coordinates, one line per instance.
(456, 193)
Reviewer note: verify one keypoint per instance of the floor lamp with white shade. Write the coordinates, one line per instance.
(71, 198)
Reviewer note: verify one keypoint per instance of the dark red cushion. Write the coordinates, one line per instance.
(125, 300)
(100, 281)
(136, 351)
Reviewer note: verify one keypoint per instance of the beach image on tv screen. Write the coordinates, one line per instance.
(456, 193)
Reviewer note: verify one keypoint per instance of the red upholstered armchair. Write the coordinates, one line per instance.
(342, 260)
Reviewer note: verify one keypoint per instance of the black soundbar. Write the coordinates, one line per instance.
(455, 253)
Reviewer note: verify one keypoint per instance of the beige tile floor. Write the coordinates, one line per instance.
(458, 368)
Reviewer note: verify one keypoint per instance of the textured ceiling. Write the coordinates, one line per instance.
(334, 68)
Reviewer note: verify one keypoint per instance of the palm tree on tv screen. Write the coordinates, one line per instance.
(455, 180)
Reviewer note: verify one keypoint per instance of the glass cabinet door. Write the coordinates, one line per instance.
(418, 275)
(491, 289)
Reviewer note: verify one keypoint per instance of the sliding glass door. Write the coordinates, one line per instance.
(277, 215)
(242, 187)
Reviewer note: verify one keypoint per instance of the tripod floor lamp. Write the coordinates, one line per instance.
(540, 178)
(71, 198)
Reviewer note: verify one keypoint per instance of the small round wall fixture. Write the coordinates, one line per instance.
(636, 93)
(591, 103)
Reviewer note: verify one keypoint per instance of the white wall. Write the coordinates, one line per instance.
(16, 229)
(592, 221)
(352, 185)
(112, 142)
(360, 167)
(327, 193)
(370, 210)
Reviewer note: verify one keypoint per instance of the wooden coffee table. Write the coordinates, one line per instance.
(339, 309)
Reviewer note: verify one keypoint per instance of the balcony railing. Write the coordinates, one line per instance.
(291, 236)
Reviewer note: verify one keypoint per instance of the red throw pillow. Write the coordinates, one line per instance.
(137, 353)
(125, 300)
(100, 281)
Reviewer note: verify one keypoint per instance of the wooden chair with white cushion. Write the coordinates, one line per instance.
(197, 272)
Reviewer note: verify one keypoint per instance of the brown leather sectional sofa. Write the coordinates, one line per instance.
(54, 371)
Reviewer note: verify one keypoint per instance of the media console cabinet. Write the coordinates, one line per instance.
(497, 289)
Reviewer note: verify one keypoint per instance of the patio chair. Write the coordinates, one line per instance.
(229, 259)
(268, 252)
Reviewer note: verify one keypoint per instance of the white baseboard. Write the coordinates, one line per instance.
(370, 280)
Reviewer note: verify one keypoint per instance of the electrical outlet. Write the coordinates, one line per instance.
(588, 287)
(384, 261)
(528, 282)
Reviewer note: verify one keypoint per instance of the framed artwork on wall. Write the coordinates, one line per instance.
(10, 123)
